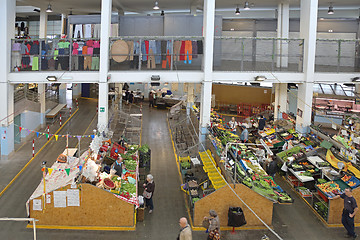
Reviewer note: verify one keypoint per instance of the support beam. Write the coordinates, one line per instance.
(206, 88)
(43, 23)
(308, 28)
(42, 100)
(280, 100)
(7, 31)
(76, 90)
(106, 7)
(42, 86)
(190, 97)
(282, 32)
(63, 24)
(62, 93)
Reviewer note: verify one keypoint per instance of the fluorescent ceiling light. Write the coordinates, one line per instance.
(331, 9)
(246, 6)
(51, 78)
(49, 9)
(260, 78)
(156, 7)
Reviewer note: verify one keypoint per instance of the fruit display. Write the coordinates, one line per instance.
(332, 188)
(352, 181)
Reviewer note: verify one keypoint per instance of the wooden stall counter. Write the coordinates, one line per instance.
(98, 210)
(336, 207)
(223, 198)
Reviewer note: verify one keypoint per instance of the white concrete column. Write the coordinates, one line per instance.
(193, 9)
(206, 88)
(280, 100)
(76, 90)
(282, 32)
(7, 31)
(62, 93)
(190, 97)
(308, 28)
(43, 23)
(357, 88)
(63, 24)
(42, 86)
(276, 87)
(42, 100)
(106, 7)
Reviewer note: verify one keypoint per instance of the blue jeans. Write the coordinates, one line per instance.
(348, 223)
(149, 203)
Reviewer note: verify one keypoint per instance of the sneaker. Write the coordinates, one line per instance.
(355, 236)
(150, 211)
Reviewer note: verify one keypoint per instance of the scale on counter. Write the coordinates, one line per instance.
(340, 166)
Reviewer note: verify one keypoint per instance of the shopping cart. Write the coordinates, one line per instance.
(175, 110)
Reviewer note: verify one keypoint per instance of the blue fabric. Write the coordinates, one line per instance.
(137, 48)
(244, 135)
(158, 52)
(143, 51)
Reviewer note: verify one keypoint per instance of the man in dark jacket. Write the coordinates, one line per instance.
(349, 211)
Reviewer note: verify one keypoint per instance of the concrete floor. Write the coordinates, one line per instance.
(294, 221)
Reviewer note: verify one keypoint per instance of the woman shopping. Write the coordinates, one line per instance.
(149, 188)
(214, 225)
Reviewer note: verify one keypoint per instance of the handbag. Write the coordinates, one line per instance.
(147, 194)
(214, 235)
(205, 223)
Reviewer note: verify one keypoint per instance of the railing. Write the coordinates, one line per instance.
(33, 220)
(183, 53)
(337, 55)
(258, 54)
(55, 54)
(29, 95)
(156, 53)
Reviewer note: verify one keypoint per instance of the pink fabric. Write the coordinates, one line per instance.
(90, 51)
(96, 44)
(75, 48)
(90, 43)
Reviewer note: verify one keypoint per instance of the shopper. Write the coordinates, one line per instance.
(244, 137)
(214, 225)
(261, 123)
(151, 99)
(149, 188)
(272, 167)
(127, 93)
(349, 211)
(131, 97)
(233, 124)
(185, 231)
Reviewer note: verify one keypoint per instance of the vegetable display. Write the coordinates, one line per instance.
(130, 165)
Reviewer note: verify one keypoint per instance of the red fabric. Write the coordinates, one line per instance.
(182, 51)
(28, 51)
(147, 49)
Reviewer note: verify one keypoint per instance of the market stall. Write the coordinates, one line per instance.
(90, 192)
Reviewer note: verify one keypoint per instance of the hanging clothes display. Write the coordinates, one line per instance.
(87, 31)
(78, 31)
(152, 52)
(97, 30)
(188, 51)
(177, 47)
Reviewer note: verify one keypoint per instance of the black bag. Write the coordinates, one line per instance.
(236, 217)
